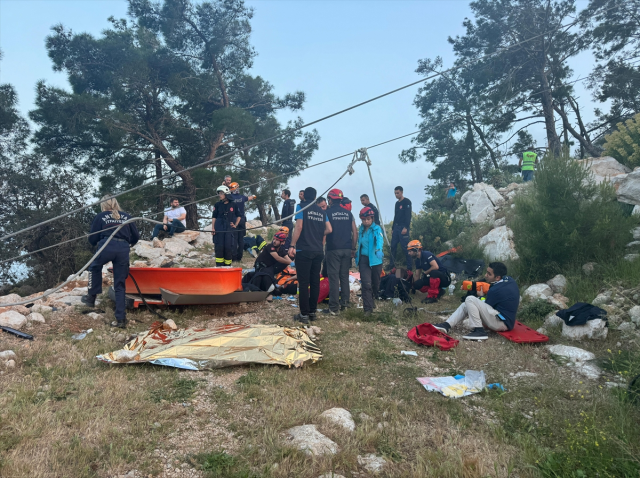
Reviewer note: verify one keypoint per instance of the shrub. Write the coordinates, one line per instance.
(624, 143)
(433, 229)
(565, 219)
(535, 310)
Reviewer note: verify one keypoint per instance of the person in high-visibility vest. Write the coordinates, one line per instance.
(527, 163)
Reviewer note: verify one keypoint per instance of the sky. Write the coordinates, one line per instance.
(339, 52)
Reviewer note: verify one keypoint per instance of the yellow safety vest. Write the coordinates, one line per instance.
(528, 160)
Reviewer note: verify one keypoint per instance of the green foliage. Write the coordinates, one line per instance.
(221, 465)
(433, 229)
(535, 310)
(565, 219)
(179, 390)
(624, 143)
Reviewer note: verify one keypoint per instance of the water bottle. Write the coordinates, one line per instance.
(451, 289)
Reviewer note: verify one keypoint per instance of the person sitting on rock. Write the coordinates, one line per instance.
(174, 220)
(497, 312)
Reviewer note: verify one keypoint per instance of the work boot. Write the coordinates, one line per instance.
(330, 312)
(430, 300)
(476, 334)
(120, 324)
(88, 300)
(312, 316)
(443, 327)
(301, 318)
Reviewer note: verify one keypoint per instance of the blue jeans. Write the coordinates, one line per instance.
(527, 176)
(173, 227)
(403, 239)
(116, 252)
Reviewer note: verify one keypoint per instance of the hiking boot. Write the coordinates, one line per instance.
(120, 324)
(476, 334)
(312, 316)
(329, 312)
(301, 318)
(88, 300)
(443, 327)
(368, 313)
(442, 292)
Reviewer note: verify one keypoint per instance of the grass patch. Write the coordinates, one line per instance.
(222, 465)
(180, 390)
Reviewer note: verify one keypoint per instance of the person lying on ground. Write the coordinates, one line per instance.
(497, 312)
(431, 268)
(174, 220)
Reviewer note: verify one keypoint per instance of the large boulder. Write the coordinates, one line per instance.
(494, 196)
(12, 319)
(188, 236)
(593, 329)
(480, 208)
(558, 284)
(498, 245)
(605, 168)
(578, 359)
(176, 245)
(538, 291)
(628, 190)
(146, 250)
(307, 438)
(10, 299)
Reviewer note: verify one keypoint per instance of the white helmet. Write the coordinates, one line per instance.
(223, 189)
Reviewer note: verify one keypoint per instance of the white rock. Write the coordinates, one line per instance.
(20, 309)
(35, 317)
(631, 257)
(538, 291)
(634, 313)
(464, 197)
(635, 211)
(10, 364)
(157, 243)
(95, 315)
(635, 232)
(480, 208)
(553, 320)
(171, 324)
(371, 462)
(593, 329)
(140, 264)
(331, 475)
(159, 261)
(8, 355)
(339, 416)
(148, 252)
(177, 245)
(626, 327)
(12, 319)
(500, 222)
(204, 238)
(605, 168)
(10, 299)
(79, 291)
(558, 284)
(71, 300)
(494, 196)
(41, 308)
(575, 354)
(628, 189)
(602, 299)
(588, 267)
(497, 244)
(588, 370)
(308, 439)
(480, 186)
(634, 244)
(558, 300)
(613, 385)
(525, 374)
(188, 236)
(542, 331)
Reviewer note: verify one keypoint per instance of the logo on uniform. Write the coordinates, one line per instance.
(400, 207)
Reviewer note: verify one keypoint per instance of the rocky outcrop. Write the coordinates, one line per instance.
(498, 244)
(628, 190)
(605, 168)
(480, 207)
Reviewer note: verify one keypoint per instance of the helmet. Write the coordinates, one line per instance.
(281, 236)
(284, 229)
(335, 194)
(414, 245)
(234, 187)
(223, 189)
(346, 204)
(367, 212)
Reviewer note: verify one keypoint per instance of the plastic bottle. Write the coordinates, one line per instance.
(451, 289)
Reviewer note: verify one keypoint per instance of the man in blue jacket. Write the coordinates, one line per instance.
(497, 312)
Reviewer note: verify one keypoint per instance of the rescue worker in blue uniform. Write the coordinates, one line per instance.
(116, 252)
(240, 200)
(225, 221)
(431, 268)
(288, 208)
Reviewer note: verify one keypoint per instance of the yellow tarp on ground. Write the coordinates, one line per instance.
(221, 346)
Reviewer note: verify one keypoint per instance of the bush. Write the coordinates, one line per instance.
(433, 229)
(624, 144)
(565, 219)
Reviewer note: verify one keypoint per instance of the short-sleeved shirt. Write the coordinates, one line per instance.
(313, 220)
(265, 256)
(424, 261)
(341, 228)
(175, 213)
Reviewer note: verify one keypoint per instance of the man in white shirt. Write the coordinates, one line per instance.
(174, 220)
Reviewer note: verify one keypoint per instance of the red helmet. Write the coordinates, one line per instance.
(335, 194)
(367, 212)
(281, 236)
(346, 203)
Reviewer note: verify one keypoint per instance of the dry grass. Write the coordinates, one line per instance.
(66, 414)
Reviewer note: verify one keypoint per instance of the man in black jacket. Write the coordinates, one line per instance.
(364, 200)
(401, 227)
(306, 247)
(288, 208)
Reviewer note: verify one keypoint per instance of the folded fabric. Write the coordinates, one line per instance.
(580, 313)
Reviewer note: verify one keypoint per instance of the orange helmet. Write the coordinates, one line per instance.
(234, 187)
(284, 229)
(414, 245)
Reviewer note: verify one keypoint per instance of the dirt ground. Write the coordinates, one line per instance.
(65, 414)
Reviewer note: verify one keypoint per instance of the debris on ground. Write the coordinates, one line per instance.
(455, 387)
(81, 335)
(221, 346)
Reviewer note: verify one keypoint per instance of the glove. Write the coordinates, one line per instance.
(293, 264)
(379, 255)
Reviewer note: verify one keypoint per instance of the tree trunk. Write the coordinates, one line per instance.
(584, 142)
(160, 199)
(263, 214)
(547, 110)
(274, 206)
(471, 145)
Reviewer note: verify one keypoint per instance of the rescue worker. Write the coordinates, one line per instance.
(364, 200)
(268, 264)
(288, 208)
(284, 248)
(225, 221)
(240, 200)
(322, 202)
(401, 227)
(341, 247)
(369, 257)
(527, 163)
(116, 252)
(431, 268)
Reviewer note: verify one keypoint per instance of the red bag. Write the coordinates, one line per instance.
(427, 334)
(324, 289)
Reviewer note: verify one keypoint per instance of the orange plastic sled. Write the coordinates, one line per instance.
(187, 281)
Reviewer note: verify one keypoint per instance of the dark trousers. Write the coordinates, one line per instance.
(444, 277)
(116, 252)
(370, 279)
(338, 262)
(240, 240)
(224, 246)
(174, 227)
(308, 266)
(403, 239)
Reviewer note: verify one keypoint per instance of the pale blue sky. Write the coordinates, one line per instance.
(338, 52)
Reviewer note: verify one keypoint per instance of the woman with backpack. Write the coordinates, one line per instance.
(369, 258)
